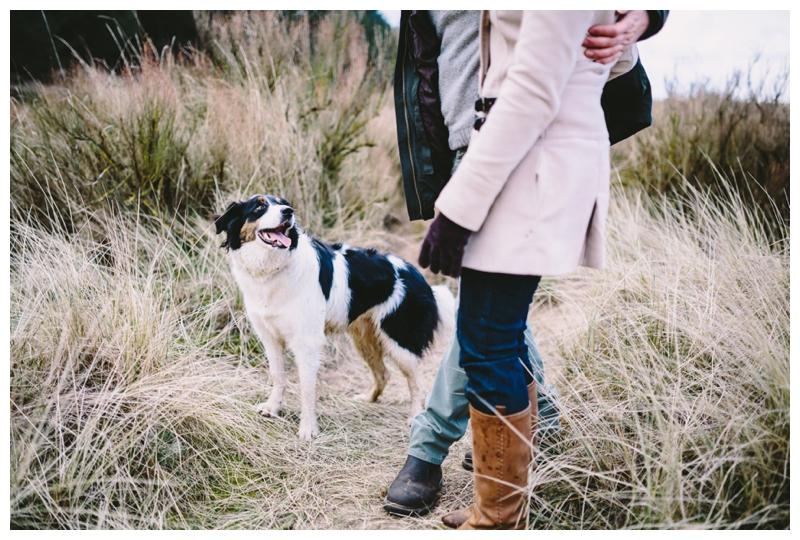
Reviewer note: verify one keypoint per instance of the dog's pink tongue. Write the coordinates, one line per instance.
(283, 239)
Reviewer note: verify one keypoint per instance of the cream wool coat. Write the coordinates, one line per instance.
(534, 184)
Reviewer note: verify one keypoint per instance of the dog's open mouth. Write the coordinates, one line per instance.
(277, 237)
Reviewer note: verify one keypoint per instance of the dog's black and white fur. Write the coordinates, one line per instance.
(296, 288)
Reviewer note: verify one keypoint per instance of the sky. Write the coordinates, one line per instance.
(697, 46)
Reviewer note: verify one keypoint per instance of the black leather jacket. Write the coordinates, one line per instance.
(425, 157)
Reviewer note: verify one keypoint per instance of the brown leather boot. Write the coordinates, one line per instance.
(502, 453)
(533, 397)
(466, 463)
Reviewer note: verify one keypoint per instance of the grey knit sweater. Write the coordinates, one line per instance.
(458, 71)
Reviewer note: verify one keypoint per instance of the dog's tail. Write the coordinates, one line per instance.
(446, 306)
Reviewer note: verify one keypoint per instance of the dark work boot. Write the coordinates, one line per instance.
(415, 489)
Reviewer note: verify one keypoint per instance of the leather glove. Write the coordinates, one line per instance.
(443, 247)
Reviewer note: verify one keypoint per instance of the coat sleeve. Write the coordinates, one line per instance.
(527, 102)
(657, 19)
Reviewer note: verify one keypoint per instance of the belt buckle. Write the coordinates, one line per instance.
(482, 106)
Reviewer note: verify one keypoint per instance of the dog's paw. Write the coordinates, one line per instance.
(268, 409)
(308, 430)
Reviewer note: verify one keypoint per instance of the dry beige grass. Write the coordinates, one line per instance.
(742, 130)
(675, 378)
(134, 372)
(261, 113)
(134, 378)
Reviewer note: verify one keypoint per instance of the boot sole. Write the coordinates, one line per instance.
(400, 510)
(406, 511)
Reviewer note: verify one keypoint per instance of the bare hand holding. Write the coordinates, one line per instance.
(606, 42)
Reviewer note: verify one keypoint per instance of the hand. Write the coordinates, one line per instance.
(443, 247)
(606, 42)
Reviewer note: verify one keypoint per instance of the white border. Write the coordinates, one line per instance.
(238, 4)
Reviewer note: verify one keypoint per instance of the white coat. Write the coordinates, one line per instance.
(534, 184)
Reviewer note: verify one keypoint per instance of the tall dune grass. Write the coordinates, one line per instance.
(134, 376)
(263, 113)
(134, 371)
(134, 380)
(676, 388)
(740, 132)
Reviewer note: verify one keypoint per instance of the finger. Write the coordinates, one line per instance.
(606, 55)
(456, 267)
(607, 30)
(436, 262)
(596, 54)
(610, 60)
(424, 254)
(454, 259)
(445, 262)
(601, 42)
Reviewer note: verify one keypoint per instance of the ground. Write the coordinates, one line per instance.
(382, 430)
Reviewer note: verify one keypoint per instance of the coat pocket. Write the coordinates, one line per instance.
(568, 181)
(529, 177)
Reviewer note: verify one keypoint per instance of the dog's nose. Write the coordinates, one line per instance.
(286, 212)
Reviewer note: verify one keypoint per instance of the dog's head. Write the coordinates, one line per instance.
(262, 222)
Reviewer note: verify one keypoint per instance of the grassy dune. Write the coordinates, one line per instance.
(134, 371)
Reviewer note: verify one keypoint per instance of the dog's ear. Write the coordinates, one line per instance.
(233, 211)
(230, 222)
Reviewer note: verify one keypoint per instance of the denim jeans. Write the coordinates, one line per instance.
(492, 314)
(446, 415)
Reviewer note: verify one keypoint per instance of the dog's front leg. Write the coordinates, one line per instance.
(277, 371)
(307, 353)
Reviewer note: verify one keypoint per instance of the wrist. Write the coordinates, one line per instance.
(449, 223)
(640, 23)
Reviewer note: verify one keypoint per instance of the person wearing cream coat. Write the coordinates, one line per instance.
(530, 198)
(534, 185)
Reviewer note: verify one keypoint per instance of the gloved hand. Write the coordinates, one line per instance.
(443, 247)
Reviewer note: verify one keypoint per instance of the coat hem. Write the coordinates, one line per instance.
(531, 271)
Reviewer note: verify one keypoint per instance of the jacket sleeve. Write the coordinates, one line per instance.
(528, 101)
(657, 20)
(425, 47)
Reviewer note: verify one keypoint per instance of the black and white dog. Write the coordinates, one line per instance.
(297, 288)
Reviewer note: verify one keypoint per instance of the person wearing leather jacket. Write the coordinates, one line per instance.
(436, 87)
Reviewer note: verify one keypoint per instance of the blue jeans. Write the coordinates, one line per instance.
(492, 314)
(446, 415)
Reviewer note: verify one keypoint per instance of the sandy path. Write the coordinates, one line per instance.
(344, 375)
